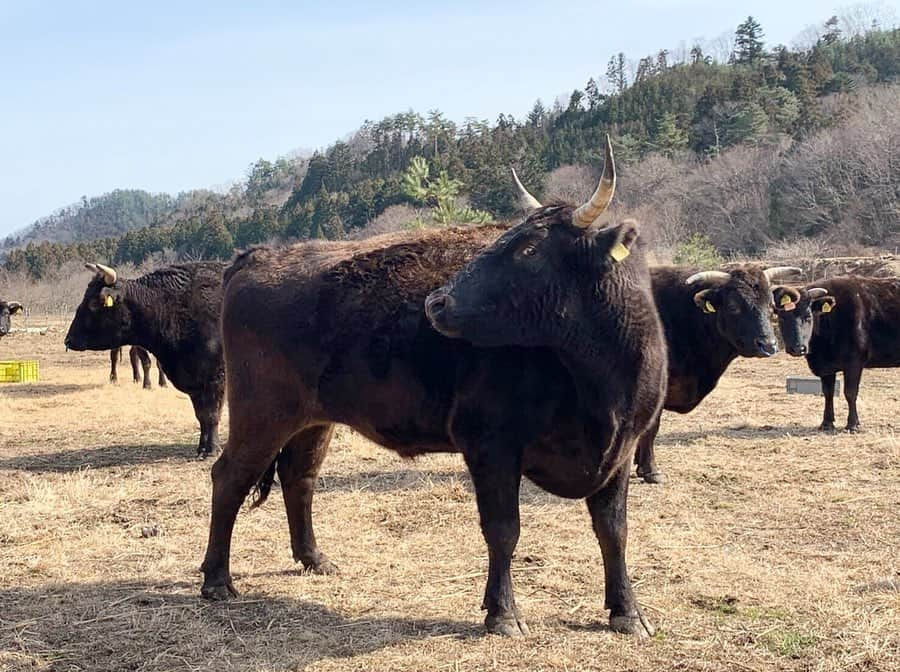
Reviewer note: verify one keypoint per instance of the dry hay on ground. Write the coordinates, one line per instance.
(771, 547)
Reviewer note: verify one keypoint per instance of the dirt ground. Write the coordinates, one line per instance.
(771, 547)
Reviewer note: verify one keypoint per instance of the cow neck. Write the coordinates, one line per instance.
(608, 346)
(146, 306)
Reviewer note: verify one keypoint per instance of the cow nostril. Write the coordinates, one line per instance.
(438, 304)
(767, 346)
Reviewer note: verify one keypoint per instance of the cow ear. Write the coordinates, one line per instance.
(824, 304)
(109, 296)
(707, 300)
(785, 298)
(14, 307)
(621, 238)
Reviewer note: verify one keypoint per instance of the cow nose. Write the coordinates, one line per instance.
(767, 346)
(437, 304)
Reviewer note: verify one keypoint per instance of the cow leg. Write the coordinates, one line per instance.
(208, 408)
(496, 476)
(134, 355)
(828, 392)
(608, 508)
(249, 452)
(645, 456)
(298, 468)
(113, 364)
(852, 376)
(162, 376)
(144, 358)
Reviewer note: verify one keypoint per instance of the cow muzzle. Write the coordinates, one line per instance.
(439, 308)
(767, 347)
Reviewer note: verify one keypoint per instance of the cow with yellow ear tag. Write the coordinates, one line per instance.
(172, 313)
(845, 324)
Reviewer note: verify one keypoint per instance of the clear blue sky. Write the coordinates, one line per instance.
(168, 96)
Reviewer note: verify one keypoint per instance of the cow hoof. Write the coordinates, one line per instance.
(636, 626)
(854, 429)
(220, 592)
(653, 477)
(506, 626)
(826, 427)
(322, 566)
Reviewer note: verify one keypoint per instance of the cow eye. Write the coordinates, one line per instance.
(529, 250)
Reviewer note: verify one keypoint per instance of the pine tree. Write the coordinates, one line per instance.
(748, 43)
(668, 137)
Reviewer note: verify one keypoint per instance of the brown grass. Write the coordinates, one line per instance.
(771, 547)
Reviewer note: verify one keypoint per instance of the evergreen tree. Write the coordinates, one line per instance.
(748, 42)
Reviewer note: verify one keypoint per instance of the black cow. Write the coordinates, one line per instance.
(844, 324)
(323, 333)
(8, 308)
(710, 318)
(140, 361)
(172, 313)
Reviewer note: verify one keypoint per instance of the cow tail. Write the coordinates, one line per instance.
(264, 485)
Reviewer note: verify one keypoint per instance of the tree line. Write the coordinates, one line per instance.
(699, 111)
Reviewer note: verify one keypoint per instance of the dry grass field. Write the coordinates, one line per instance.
(771, 547)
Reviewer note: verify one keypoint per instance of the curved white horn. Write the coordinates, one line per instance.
(586, 214)
(707, 275)
(776, 272)
(92, 267)
(109, 274)
(529, 201)
(816, 293)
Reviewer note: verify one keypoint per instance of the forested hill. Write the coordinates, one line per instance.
(726, 147)
(112, 214)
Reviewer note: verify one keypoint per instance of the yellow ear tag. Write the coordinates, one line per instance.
(826, 307)
(619, 252)
(785, 299)
(788, 307)
(108, 302)
(708, 307)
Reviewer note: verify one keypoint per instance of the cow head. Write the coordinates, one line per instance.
(797, 309)
(740, 303)
(7, 308)
(530, 284)
(102, 319)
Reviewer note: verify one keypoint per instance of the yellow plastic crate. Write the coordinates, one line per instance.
(21, 371)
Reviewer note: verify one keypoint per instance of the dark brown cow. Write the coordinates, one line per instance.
(844, 324)
(317, 334)
(140, 362)
(172, 312)
(8, 308)
(710, 318)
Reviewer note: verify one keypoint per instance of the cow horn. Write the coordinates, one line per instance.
(586, 214)
(816, 293)
(707, 275)
(109, 274)
(529, 201)
(777, 272)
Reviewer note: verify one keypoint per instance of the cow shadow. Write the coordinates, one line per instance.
(389, 480)
(17, 390)
(101, 457)
(120, 625)
(665, 438)
(414, 479)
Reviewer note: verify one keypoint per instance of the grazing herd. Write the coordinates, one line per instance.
(546, 350)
